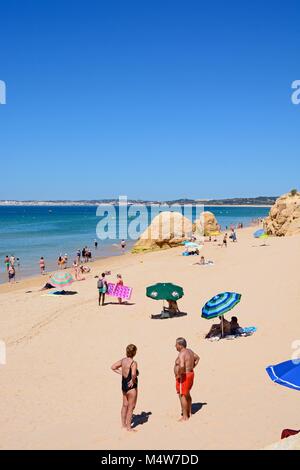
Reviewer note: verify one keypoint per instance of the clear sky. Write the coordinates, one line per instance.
(154, 99)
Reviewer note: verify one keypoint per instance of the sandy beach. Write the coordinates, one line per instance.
(57, 389)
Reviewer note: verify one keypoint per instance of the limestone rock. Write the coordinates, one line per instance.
(170, 229)
(284, 217)
(210, 224)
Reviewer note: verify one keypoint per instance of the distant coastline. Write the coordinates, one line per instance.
(236, 202)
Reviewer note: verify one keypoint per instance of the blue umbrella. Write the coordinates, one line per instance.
(286, 374)
(259, 233)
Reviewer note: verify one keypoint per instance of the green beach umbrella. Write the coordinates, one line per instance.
(61, 280)
(164, 291)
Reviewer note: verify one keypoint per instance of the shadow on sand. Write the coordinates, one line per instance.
(117, 303)
(142, 418)
(197, 407)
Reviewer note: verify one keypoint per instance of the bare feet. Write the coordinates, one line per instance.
(131, 430)
(182, 419)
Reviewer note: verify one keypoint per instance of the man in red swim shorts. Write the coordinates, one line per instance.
(185, 363)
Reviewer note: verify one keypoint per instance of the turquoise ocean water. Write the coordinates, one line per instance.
(29, 232)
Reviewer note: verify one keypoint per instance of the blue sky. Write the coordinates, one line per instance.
(153, 99)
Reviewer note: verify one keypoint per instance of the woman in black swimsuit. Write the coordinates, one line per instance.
(127, 367)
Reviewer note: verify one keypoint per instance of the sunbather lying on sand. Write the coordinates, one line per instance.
(216, 329)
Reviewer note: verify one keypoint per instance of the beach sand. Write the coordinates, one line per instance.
(57, 389)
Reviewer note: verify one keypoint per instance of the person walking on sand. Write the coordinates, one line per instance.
(225, 240)
(123, 245)
(102, 289)
(185, 363)
(128, 368)
(42, 265)
(119, 283)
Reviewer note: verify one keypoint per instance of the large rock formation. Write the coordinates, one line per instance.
(206, 225)
(170, 229)
(284, 217)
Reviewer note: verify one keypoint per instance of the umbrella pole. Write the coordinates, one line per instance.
(222, 326)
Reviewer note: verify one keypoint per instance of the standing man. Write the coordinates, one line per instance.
(185, 363)
(123, 245)
(102, 289)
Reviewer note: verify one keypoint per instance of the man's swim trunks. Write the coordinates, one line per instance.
(185, 383)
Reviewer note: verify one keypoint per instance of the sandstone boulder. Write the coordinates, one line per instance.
(206, 224)
(170, 229)
(284, 217)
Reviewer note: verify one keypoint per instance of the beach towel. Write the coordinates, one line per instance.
(60, 292)
(117, 290)
(248, 331)
(164, 315)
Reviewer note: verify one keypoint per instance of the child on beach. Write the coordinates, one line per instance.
(7, 262)
(60, 262)
(225, 240)
(42, 265)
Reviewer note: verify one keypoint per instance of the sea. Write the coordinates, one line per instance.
(29, 232)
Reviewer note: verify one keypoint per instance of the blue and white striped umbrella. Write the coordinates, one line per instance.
(220, 304)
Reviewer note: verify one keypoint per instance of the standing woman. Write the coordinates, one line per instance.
(127, 367)
(119, 283)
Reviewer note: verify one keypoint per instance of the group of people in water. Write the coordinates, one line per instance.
(184, 366)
